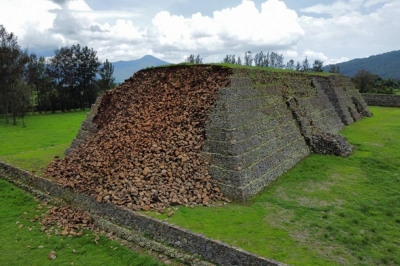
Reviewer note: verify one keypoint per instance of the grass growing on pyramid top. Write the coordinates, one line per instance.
(244, 67)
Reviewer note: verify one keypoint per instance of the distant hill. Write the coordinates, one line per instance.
(386, 65)
(125, 69)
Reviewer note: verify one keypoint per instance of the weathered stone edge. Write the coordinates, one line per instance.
(174, 236)
(87, 129)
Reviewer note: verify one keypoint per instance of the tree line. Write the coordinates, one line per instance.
(270, 59)
(71, 79)
(367, 82)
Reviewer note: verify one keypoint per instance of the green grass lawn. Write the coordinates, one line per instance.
(22, 241)
(44, 137)
(326, 211)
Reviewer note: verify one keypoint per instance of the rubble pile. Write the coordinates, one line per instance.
(66, 221)
(145, 154)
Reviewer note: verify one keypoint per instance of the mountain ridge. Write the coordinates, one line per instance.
(386, 65)
(125, 69)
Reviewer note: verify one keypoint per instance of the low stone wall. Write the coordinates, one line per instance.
(385, 100)
(212, 250)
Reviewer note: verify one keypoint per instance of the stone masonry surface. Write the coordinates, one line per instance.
(266, 122)
(382, 100)
(87, 129)
(181, 135)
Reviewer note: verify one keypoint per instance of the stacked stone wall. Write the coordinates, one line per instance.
(348, 103)
(254, 134)
(251, 138)
(321, 110)
(384, 100)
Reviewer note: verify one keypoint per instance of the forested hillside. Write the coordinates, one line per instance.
(386, 65)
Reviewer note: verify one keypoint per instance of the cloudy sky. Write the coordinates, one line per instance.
(330, 30)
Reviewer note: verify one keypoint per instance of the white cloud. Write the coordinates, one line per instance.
(337, 8)
(332, 61)
(78, 5)
(290, 54)
(352, 32)
(332, 33)
(312, 55)
(231, 30)
(370, 3)
(22, 15)
(119, 35)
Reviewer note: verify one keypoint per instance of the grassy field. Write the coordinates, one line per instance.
(44, 137)
(22, 241)
(326, 211)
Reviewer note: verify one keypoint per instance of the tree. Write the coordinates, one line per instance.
(318, 66)
(194, 60)
(107, 80)
(265, 61)
(198, 60)
(61, 69)
(387, 86)
(305, 66)
(364, 81)
(279, 61)
(290, 64)
(12, 63)
(262, 60)
(239, 61)
(259, 59)
(298, 66)
(226, 60)
(86, 68)
(248, 59)
(21, 100)
(190, 59)
(73, 71)
(233, 59)
(272, 59)
(334, 69)
(36, 76)
(229, 59)
(368, 82)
